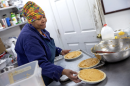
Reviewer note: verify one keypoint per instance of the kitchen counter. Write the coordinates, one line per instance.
(118, 74)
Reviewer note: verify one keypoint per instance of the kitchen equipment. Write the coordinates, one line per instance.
(104, 52)
(25, 75)
(121, 47)
(69, 64)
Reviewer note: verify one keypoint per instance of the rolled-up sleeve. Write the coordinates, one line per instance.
(34, 51)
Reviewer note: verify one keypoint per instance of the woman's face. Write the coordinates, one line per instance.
(40, 23)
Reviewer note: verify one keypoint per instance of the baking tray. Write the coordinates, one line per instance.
(65, 78)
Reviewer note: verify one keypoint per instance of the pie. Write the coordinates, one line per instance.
(88, 63)
(72, 55)
(91, 75)
(98, 56)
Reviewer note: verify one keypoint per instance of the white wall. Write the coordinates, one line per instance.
(118, 20)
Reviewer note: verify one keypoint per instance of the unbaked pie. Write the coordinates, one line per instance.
(73, 54)
(91, 75)
(88, 63)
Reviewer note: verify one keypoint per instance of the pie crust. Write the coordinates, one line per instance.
(73, 54)
(91, 75)
(89, 63)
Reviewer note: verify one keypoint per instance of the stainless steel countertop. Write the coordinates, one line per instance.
(118, 74)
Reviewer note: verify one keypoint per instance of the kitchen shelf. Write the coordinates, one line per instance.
(12, 26)
(5, 8)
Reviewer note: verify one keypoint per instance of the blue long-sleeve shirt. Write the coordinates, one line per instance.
(30, 46)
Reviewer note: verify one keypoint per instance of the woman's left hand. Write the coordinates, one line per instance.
(64, 52)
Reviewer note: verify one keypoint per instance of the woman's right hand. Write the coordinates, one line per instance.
(69, 73)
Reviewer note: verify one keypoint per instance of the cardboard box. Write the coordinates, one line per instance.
(2, 47)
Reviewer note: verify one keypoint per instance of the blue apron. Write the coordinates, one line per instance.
(52, 48)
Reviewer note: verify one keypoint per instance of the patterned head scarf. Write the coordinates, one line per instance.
(32, 11)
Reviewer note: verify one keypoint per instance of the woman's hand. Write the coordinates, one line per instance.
(64, 52)
(69, 74)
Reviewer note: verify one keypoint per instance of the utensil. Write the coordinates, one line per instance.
(104, 52)
(121, 47)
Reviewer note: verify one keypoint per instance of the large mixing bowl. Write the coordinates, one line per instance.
(121, 47)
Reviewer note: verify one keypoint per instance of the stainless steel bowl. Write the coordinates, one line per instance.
(121, 47)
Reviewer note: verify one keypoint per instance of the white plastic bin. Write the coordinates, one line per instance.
(25, 75)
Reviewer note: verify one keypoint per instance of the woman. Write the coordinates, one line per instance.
(35, 43)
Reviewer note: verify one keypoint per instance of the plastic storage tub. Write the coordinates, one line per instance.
(25, 75)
